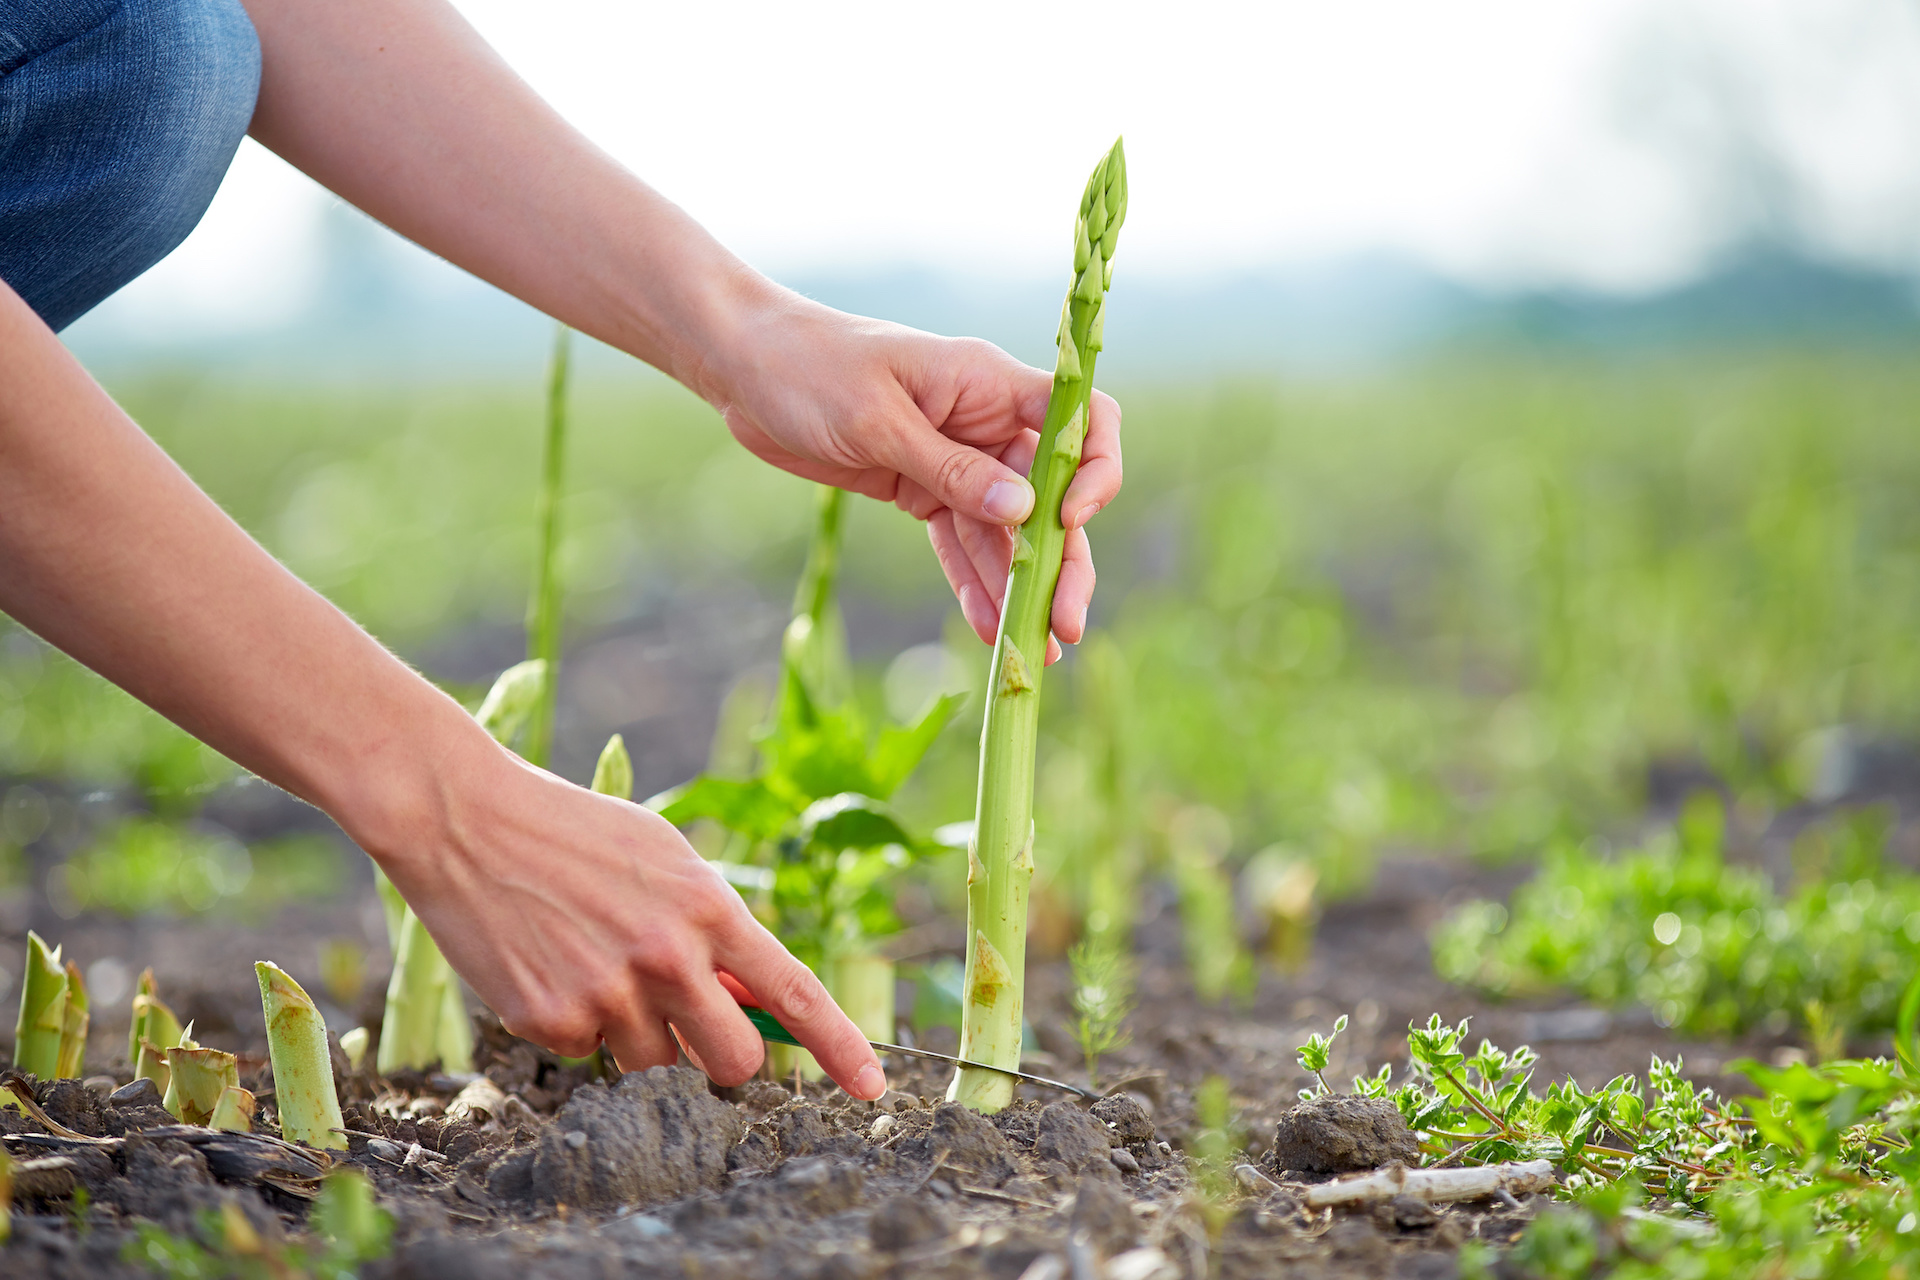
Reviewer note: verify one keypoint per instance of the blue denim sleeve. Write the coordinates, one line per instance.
(118, 119)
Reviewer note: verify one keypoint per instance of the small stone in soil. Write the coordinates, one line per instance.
(1123, 1160)
(1342, 1134)
(141, 1093)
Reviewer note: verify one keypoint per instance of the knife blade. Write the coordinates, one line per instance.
(773, 1033)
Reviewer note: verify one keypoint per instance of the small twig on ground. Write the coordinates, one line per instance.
(1434, 1185)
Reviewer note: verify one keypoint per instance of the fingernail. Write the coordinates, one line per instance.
(1083, 624)
(1008, 501)
(870, 1083)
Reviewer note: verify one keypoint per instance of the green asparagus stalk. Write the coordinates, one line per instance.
(613, 772)
(43, 1011)
(812, 652)
(234, 1110)
(73, 1027)
(302, 1068)
(1000, 860)
(6, 1196)
(410, 1030)
(426, 1015)
(543, 610)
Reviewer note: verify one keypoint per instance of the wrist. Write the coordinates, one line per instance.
(729, 308)
(406, 799)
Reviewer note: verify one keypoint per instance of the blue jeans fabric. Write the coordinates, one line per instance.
(118, 119)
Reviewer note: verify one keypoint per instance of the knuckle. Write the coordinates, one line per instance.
(800, 995)
(950, 475)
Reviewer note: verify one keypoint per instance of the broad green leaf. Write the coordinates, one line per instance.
(751, 808)
(900, 747)
(852, 821)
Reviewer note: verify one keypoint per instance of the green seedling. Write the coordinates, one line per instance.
(42, 1021)
(303, 1090)
(73, 1027)
(1316, 1052)
(1000, 858)
(1103, 985)
(811, 842)
(1707, 946)
(154, 1030)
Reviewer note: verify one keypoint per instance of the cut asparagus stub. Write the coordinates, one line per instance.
(613, 773)
(73, 1027)
(302, 1067)
(170, 1087)
(199, 1076)
(1000, 867)
(234, 1111)
(43, 1011)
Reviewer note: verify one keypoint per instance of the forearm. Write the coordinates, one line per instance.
(400, 107)
(110, 553)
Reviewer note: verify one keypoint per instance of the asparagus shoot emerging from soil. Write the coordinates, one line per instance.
(155, 1030)
(613, 773)
(426, 1015)
(73, 1027)
(302, 1067)
(543, 610)
(43, 1011)
(1000, 861)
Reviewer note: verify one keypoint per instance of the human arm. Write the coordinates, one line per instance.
(400, 107)
(576, 917)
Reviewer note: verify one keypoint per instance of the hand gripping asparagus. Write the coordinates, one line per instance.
(1000, 860)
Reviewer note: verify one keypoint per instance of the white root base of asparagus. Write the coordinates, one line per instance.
(1435, 1186)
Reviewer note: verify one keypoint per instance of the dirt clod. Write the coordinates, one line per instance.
(906, 1222)
(966, 1142)
(1068, 1136)
(1103, 1216)
(655, 1136)
(1342, 1134)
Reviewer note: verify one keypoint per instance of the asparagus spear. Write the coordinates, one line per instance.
(43, 1011)
(1000, 859)
(543, 610)
(73, 1027)
(302, 1067)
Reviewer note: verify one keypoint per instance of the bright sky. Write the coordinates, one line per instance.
(1612, 142)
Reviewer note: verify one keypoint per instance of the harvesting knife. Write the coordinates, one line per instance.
(773, 1033)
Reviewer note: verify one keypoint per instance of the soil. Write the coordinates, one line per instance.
(658, 1173)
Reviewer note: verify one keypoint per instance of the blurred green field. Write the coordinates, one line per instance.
(1462, 605)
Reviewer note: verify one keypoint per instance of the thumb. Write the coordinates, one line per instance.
(966, 480)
